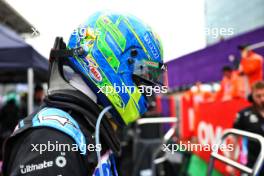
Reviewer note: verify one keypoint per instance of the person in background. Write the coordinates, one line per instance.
(23, 105)
(251, 66)
(9, 117)
(199, 95)
(38, 95)
(252, 119)
(229, 86)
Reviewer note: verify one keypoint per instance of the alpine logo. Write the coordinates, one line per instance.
(152, 47)
(62, 120)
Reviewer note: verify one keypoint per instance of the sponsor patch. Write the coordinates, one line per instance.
(60, 161)
(34, 167)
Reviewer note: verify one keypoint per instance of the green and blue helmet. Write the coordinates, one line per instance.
(120, 52)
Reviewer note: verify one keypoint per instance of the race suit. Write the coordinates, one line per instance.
(58, 140)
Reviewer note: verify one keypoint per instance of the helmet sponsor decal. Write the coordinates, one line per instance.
(95, 74)
(151, 45)
(151, 64)
(91, 61)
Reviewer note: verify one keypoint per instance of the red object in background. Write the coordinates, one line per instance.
(212, 120)
(186, 109)
(252, 66)
(158, 104)
(172, 108)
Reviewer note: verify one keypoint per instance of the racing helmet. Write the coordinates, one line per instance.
(119, 53)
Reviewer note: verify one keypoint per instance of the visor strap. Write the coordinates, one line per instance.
(66, 53)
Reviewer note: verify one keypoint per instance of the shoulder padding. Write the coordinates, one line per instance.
(62, 121)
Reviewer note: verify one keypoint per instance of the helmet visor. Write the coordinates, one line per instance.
(149, 73)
